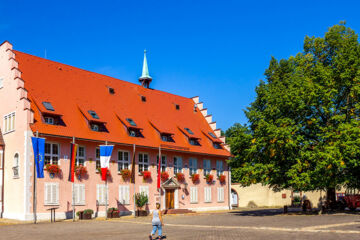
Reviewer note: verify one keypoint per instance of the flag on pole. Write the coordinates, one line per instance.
(132, 180)
(73, 151)
(39, 152)
(159, 169)
(105, 155)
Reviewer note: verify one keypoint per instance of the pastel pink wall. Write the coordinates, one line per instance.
(65, 187)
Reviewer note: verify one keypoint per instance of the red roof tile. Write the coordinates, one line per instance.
(73, 92)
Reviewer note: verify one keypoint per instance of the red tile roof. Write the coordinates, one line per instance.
(73, 92)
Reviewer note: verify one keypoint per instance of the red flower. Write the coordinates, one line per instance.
(146, 175)
(164, 176)
(126, 174)
(222, 178)
(53, 168)
(195, 177)
(180, 177)
(80, 170)
(209, 178)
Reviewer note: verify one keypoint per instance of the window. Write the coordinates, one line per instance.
(163, 163)
(206, 166)
(9, 123)
(1, 83)
(101, 191)
(193, 195)
(49, 120)
(123, 160)
(94, 127)
(194, 141)
(1, 159)
(16, 166)
(212, 135)
(52, 154)
(131, 122)
(143, 162)
(189, 131)
(111, 90)
(145, 189)
(192, 166)
(51, 194)
(48, 106)
(97, 158)
(177, 165)
(207, 194)
(143, 98)
(166, 138)
(80, 156)
(93, 114)
(217, 146)
(177, 107)
(124, 194)
(220, 194)
(79, 194)
(133, 132)
(219, 167)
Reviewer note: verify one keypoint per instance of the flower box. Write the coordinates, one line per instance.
(180, 177)
(86, 214)
(146, 175)
(52, 169)
(164, 176)
(113, 213)
(222, 179)
(125, 174)
(209, 178)
(80, 171)
(195, 178)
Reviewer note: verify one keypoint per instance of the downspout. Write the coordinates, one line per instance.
(3, 179)
(229, 177)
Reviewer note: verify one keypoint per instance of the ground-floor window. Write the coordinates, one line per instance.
(124, 194)
(51, 194)
(79, 194)
(220, 194)
(101, 191)
(145, 189)
(193, 195)
(207, 194)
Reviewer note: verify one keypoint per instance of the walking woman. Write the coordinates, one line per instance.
(157, 222)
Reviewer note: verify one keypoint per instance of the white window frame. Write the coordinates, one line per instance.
(220, 194)
(16, 165)
(124, 194)
(52, 186)
(194, 195)
(97, 159)
(1, 82)
(51, 154)
(100, 199)
(178, 167)
(219, 167)
(9, 123)
(207, 194)
(121, 162)
(206, 166)
(79, 194)
(77, 162)
(142, 164)
(163, 162)
(193, 166)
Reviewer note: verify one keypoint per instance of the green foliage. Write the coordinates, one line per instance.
(304, 128)
(141, 199)
(88, 211)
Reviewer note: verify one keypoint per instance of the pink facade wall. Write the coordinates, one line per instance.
(65, 187)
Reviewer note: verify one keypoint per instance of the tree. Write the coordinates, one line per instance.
(304, 122)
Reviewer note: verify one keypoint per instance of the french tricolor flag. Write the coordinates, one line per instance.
(105, 155)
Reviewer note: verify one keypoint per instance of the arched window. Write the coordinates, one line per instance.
(16, 165)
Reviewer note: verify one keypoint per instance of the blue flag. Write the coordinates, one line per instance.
(39, 152)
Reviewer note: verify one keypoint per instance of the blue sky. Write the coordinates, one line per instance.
(217, 50)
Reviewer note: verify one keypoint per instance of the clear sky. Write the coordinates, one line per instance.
(217, 50)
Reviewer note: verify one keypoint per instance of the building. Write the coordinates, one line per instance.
(62, 104)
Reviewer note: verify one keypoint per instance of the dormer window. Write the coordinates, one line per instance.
(194, 141)
(48, 106)
(49, 120)
(217, 145)
(177, 107)
(95, 127)
(93, 114)
(131, 122)
(135, 132)
(212, 135)
(189, 131)
(143, 98)
(167, 138)
(111, 91)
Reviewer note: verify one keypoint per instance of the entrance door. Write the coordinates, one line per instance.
(169, 199)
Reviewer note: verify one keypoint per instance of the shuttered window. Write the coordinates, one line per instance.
(207, 194)
(193, 195)
(9, 122)
(124, 194)
(79, 194)
(220, 194)
(101, 194)
(51, 194)
(145, 189)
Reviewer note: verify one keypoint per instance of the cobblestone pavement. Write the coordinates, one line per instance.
(265, 224)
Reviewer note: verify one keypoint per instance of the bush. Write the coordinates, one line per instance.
(141, 199)
(88, 211)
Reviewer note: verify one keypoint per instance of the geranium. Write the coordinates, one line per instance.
(146, 175)
(164, 176)
(195, 177)
(209, 178)
(222, 178)
(126, 174)
(80, 170)
(180, 177)
(52, 168)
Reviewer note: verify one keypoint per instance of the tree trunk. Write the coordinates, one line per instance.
(331, 197)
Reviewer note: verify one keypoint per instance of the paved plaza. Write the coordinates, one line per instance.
(260, 224)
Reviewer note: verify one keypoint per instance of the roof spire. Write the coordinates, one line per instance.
(145, 78)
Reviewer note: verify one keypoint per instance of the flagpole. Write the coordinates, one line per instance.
(106, 190)
(133, 174)
(158, 173)
(34, 195)
(73, 195)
